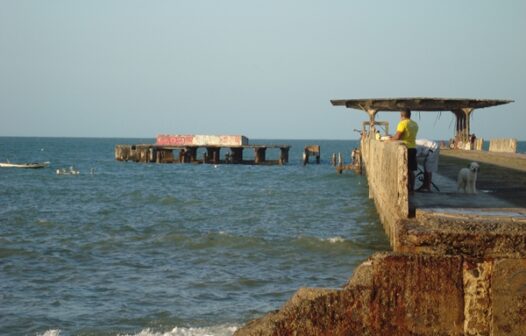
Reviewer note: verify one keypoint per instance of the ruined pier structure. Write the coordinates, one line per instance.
(188, 146)
(453, 271)
(311, 150)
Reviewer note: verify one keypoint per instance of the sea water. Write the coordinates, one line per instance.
(129, 248)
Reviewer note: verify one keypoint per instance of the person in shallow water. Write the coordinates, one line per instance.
(406, 132)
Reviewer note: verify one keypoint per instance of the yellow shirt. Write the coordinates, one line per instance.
(408, 130)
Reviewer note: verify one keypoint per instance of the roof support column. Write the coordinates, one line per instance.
(372, 115)
(458, 125)
(463, 124)
(467, 111)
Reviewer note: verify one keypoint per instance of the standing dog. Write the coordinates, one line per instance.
(467, 178)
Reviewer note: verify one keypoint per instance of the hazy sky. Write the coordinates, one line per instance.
(264, 69)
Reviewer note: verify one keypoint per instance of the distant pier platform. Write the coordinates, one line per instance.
(202, 149)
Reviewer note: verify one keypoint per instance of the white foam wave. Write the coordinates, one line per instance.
(331, 240)
(220, 330)
(334, 240)
(51, 332)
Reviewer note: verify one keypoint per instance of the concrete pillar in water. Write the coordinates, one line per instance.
(236, 155)
(192, 154)
(312, 150)
(213, 154)
(260, 154)
(163, 156)
(340, 163)
(283, 155)
(182, 155)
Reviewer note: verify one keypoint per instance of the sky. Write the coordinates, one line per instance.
(263, 69)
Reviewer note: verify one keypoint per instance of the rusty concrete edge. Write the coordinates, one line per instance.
(486, 237)
(479, 284)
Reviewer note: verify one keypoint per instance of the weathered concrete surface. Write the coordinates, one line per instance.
(137, 153)
(459, 266)
(479, 143)
(201, 140)
(508, 295)
(448, 222)
(477, 293)
(390, 294)
(188, 154)
(311, 150)
(386, 166)
(496, 233)
(408, 294)
(481, 225)
(503, 145)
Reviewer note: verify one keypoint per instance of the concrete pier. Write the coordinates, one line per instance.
(212, 154)
(188, 146)
(311, 150)
(458, 267)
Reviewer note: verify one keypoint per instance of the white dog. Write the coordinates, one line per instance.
(467, 178)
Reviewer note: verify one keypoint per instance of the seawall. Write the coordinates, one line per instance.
(458, 267)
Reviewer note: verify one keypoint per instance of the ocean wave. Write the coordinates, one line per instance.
(228, 240)
(220, 330)
(317, 240)
(331, 244)
(51, 332)
(334, 240)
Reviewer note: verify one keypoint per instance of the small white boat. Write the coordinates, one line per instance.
(32, 165)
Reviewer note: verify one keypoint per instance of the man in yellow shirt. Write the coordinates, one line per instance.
(406, 132)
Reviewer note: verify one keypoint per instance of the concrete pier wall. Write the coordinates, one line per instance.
(409, 294)
(386, 168)
(479, 144)
(457, 272)
(503, 145)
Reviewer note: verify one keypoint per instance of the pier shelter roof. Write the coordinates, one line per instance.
(418, 104)
(462, 108)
